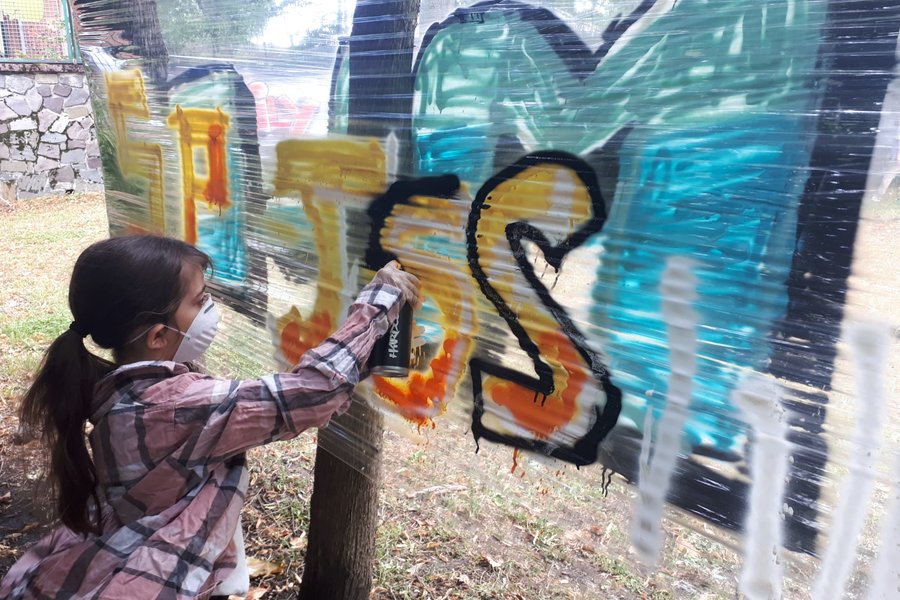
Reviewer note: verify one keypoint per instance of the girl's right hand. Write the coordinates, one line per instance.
(407, 283)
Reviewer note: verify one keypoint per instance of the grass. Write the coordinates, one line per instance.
(38, 247)
(35, 330)
(453, 524)
(621, 573)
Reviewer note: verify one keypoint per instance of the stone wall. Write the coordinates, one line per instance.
(47, 139)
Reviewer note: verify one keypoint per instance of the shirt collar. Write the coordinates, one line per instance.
(108, 390)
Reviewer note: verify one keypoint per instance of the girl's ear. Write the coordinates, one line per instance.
(155, 338)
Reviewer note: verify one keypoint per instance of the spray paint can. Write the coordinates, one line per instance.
(391, 354)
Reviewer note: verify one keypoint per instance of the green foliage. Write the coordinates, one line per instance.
(190, 27)
(106, 140)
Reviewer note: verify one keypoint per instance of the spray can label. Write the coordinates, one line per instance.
(391, 354)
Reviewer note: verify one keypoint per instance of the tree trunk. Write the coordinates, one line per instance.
(344, 505)
(344, 509)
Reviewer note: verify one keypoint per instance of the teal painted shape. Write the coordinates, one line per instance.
(711, 194)
(718, 96)
(479, 82)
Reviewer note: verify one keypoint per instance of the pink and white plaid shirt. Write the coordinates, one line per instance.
(169, 448)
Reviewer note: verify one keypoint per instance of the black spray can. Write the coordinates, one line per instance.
(392, 353)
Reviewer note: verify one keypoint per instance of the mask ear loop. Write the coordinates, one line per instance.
(143, 333)
(207, 306)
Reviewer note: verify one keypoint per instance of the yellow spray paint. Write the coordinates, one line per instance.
(324, 174)
(204, 128)
(445, 279)
(540, 195)
(126, 100)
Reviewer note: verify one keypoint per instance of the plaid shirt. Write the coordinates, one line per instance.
(169, 448)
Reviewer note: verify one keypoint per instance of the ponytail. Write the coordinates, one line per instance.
(118, 286)
(57, 406)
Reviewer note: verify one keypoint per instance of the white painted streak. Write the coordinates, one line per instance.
(391, 157)
(886, 573)
(869, 348)
(759, 398)
(678, 287)
(646, 441)
(737, 41)
(658, 11)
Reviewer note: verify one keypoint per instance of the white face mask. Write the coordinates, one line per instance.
(199, 335)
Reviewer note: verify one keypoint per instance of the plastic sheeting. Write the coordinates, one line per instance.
(651, 233)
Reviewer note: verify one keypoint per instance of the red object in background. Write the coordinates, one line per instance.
(275, 113)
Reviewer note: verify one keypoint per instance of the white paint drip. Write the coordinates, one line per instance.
(678, 288)
(884, 167)
(869, 345)
(391, 157)
(886, 574)
(646, 441)
(350, 289)
(759, 398)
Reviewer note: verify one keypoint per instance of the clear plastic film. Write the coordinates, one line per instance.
(654, 237)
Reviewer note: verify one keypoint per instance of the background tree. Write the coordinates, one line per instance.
(193, 25)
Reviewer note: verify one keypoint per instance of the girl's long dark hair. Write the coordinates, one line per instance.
(118, 286)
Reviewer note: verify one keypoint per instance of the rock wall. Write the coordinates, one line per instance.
(47, 139)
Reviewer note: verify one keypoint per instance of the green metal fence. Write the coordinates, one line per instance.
(36, 31)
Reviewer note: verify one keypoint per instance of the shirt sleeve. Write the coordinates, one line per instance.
(239, 415)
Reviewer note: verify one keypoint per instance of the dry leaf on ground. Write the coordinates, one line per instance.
(262, 568)
(256, 593)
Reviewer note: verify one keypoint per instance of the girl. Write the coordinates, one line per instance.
(153, 510)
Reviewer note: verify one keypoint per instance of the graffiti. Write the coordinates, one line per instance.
(218, 155)
(634, 251)
(513, 209)
(206, 150)
(126, 99)
(397, 233)
(322, 175)
(279, 113)
(205, 128)
(669, 189)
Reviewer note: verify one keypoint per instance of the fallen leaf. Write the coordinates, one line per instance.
(490, 561)
(262, 568)
(256, 593)
(6, 498)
